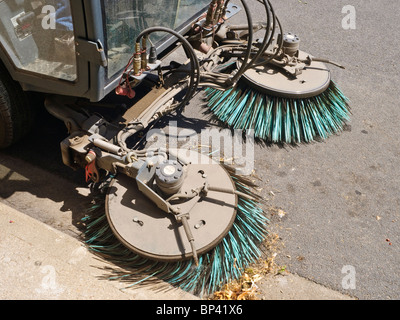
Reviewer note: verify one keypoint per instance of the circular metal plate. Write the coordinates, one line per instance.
(270, 79)
(148, 231)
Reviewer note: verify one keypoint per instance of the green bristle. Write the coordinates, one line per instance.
(277, 119)
(221, 265)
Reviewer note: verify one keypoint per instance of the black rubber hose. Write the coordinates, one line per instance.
(195, 65)
(267, 37)
(275, 21)
(243, 67)
(267, 40)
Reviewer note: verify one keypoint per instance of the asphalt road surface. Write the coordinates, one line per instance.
(339, 199)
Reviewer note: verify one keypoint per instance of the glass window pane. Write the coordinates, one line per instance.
(39, 36)
(125, 19)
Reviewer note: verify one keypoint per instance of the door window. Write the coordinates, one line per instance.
(39, 36)
(125, 19)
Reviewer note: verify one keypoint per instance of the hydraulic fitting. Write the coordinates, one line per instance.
(137, 60)
(144, 65)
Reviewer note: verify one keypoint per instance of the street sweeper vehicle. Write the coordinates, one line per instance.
(168, 214)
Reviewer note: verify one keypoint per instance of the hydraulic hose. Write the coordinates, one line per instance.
(195, 65)
(266, 44)
(267, 40)
(243, 67)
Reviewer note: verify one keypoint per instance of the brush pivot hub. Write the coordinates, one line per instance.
(275, 81)
(152, 233)
(291, 44)
(169, 176)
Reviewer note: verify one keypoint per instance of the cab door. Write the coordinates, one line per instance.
(38, 45)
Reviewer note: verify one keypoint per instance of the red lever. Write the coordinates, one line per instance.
(125, 91)
(92, 173)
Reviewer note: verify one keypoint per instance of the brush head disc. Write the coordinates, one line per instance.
(152, 233)
(272, 80)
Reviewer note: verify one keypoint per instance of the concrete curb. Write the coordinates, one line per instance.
(38, 262)
(294, 287)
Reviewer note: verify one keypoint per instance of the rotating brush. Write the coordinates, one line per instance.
(272, 87)
(278, 119)
(225, 263)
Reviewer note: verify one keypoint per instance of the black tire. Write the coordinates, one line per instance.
(16, 113)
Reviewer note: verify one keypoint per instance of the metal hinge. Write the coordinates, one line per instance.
(91, 51)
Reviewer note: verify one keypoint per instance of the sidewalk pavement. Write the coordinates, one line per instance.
(38, 262)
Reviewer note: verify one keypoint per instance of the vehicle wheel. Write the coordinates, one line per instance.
(16, 113)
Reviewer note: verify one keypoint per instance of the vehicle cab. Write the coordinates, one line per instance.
(80, 48)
